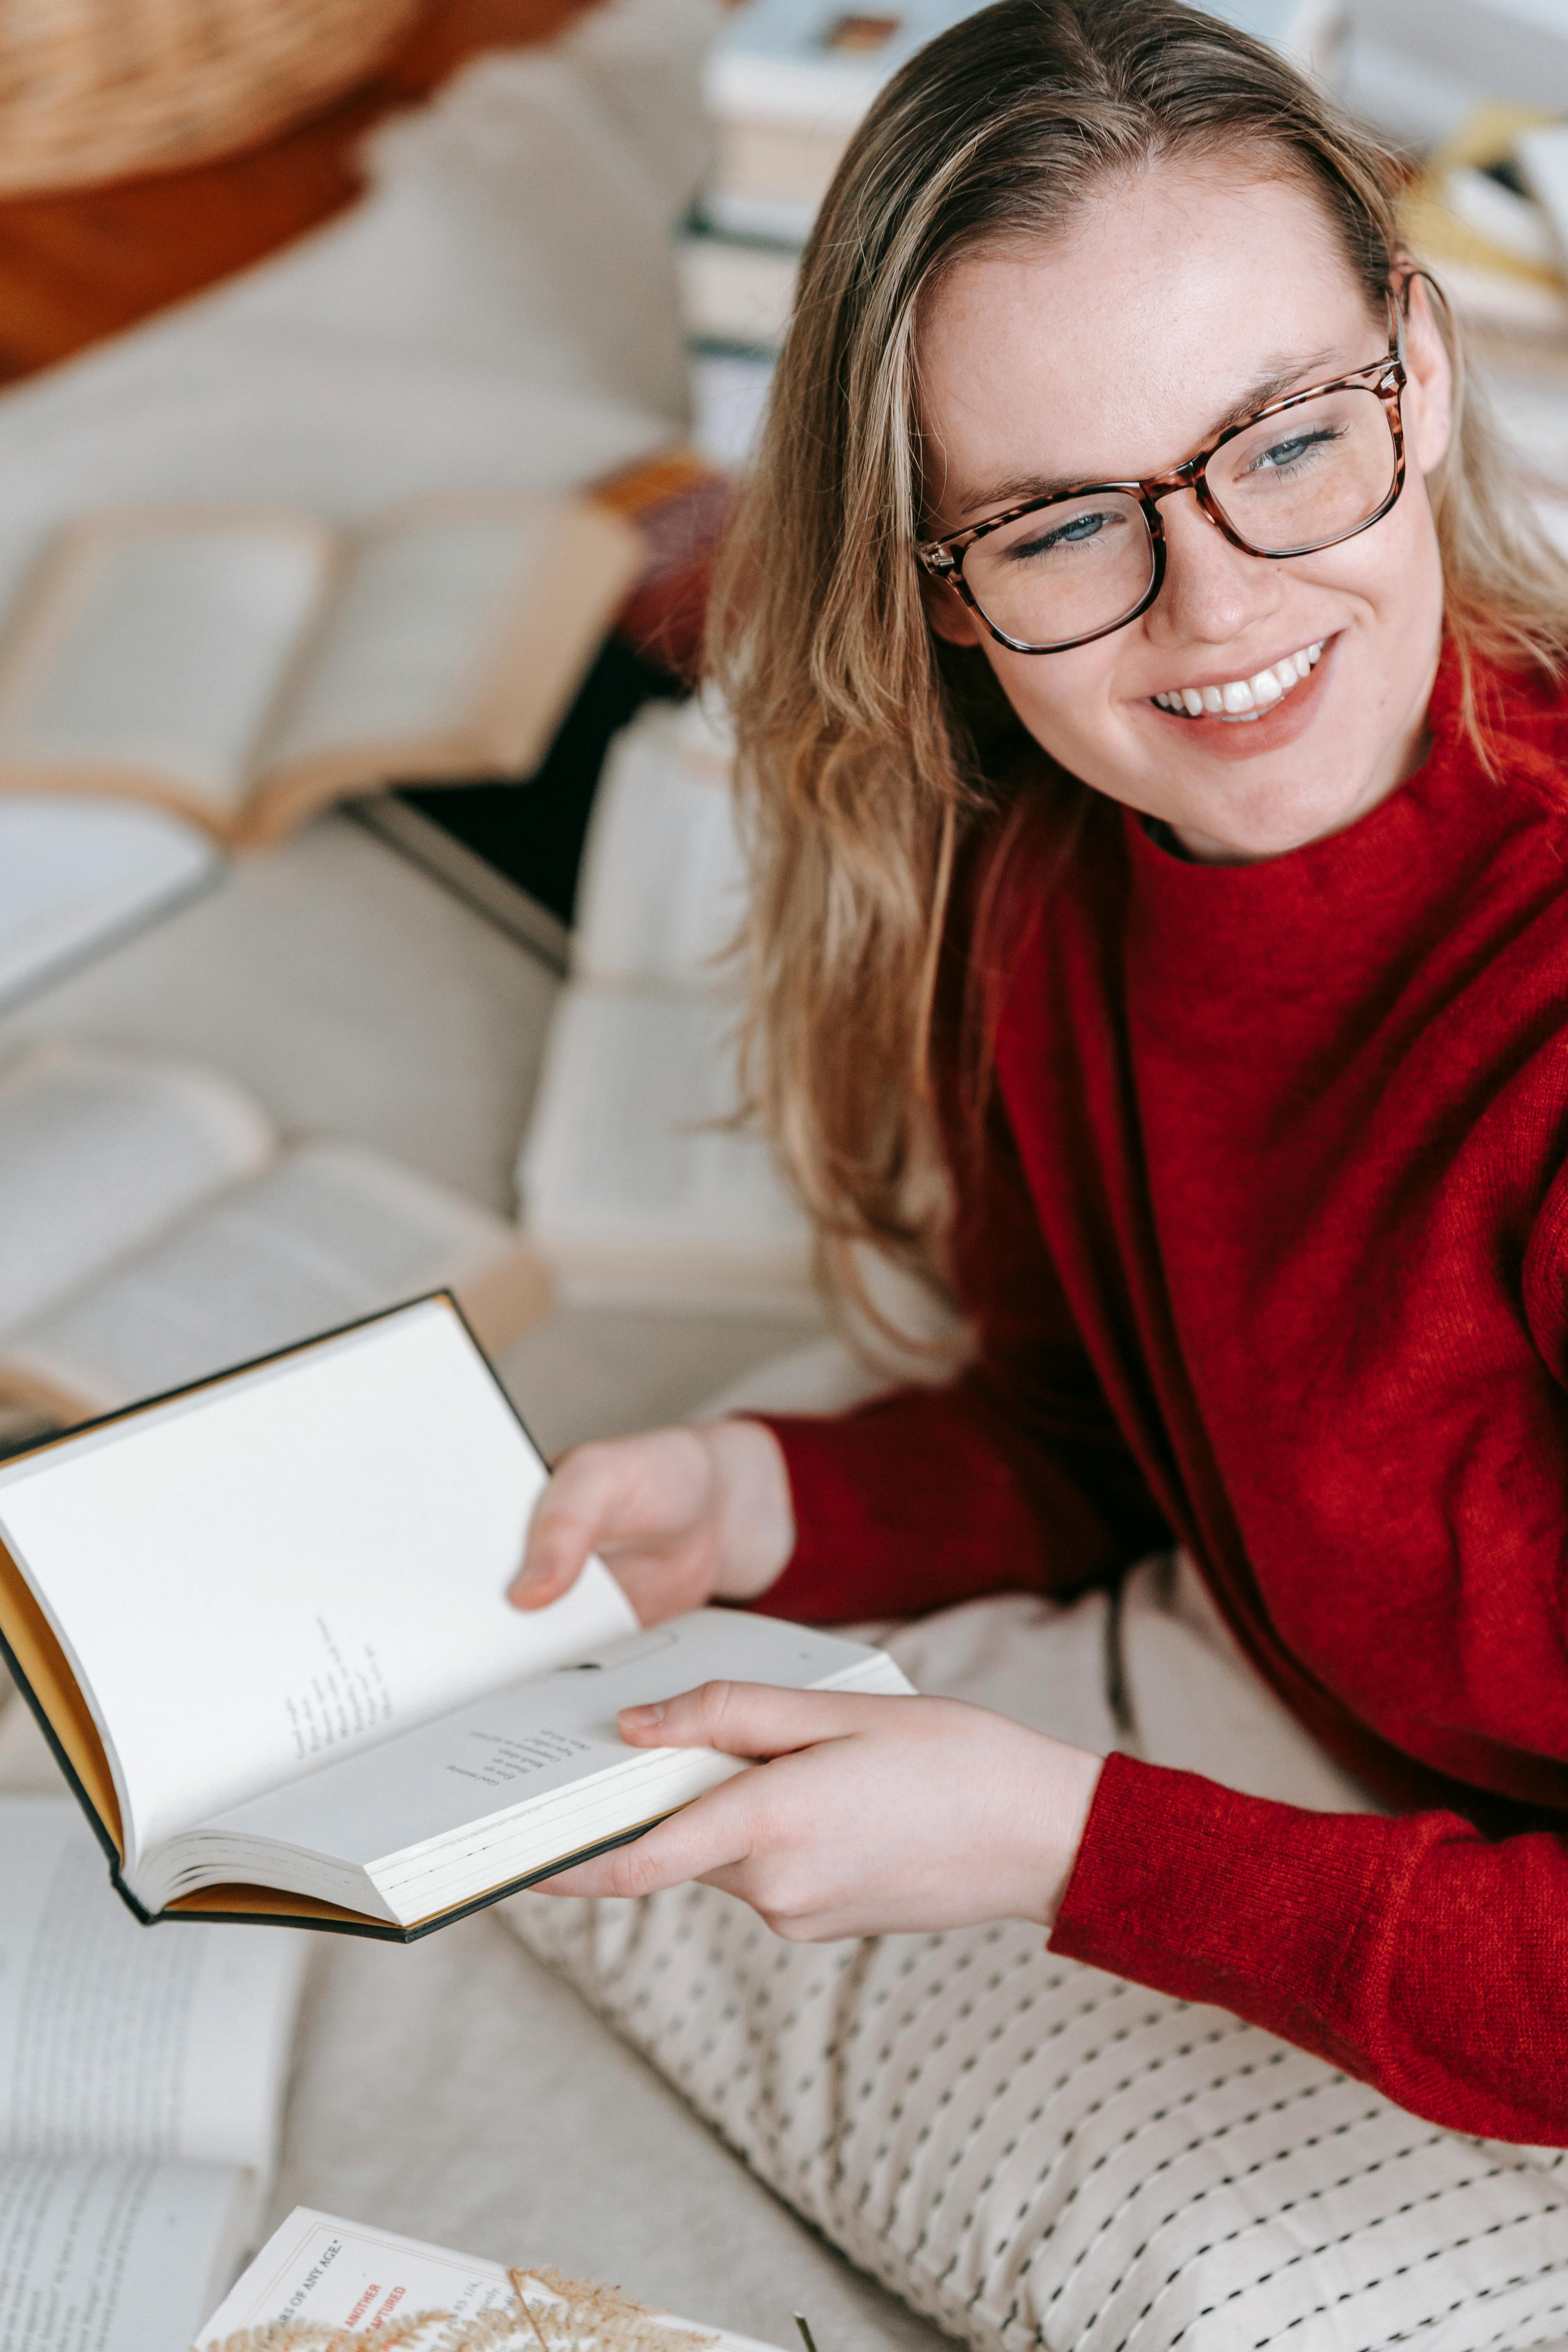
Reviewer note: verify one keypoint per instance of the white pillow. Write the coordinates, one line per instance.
(1033, 2153)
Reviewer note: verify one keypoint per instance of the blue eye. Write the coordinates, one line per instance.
(1076, 534)
(1282, 456)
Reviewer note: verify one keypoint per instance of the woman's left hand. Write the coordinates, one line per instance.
(875, 1816)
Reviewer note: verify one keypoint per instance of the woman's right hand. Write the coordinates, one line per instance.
(681, 1517)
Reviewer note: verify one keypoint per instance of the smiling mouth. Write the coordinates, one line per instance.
(1243, 699)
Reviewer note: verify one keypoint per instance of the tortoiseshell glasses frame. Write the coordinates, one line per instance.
(942, 559)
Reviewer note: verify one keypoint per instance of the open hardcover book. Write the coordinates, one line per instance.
(157, 1229)
(262, 1623)
(245, 667)
(79, 876)
(138, 2126)
(318, 2272)
(636, 1188)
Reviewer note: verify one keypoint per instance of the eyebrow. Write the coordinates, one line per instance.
(1015, 489)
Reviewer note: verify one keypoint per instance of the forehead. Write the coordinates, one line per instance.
(1116, 348)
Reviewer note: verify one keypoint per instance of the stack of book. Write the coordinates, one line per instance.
(1490, 212)
(1418, 67)
(788, 81)
(641, 1189)
(637, 1190)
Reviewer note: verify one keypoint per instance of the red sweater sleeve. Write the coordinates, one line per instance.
(1416, 1954)
(1013, 1477)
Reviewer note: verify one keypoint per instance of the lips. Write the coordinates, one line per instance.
(1243, 699)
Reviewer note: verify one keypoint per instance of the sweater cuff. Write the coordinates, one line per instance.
(875, 1532)
(906, 1506)
(1228, 1900)
(912, 1502)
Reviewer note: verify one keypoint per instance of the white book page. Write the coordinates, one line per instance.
(329, 1233)
(118, 2041)
(76, 874)
(329, 1539)
(663, 893)
(319, 2269)
(411, 634)
(169, 655)
(538, 1738)
(98, 1151)
(113, 2256)
(324, 2273)
(621, 1153)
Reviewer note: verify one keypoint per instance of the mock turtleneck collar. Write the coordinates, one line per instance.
(1324, 917)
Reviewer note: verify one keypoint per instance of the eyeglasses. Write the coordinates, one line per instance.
(1302, 473)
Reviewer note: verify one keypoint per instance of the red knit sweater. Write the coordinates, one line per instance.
(1268, 1241)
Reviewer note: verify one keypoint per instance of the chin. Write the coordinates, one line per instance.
(1276, 831)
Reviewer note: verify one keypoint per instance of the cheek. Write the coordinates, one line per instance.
(1062, 698)
(1394, 573)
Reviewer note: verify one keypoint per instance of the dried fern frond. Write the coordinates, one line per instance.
(553, 2314)
(585, 2315)
(489, 2331)
(582, 2315)
(417, 2331)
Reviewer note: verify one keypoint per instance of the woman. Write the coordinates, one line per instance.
(1148, 690)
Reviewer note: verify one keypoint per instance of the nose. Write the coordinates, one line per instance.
(1213, 591)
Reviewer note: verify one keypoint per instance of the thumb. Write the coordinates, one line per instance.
(748, 1718)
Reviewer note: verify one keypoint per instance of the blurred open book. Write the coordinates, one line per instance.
(142, 2079)
(158, 1228)
(246, 666)
(78, 875)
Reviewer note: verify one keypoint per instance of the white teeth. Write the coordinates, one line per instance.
(1244, 698)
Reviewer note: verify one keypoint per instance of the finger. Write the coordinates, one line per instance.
(634, 1488)
(749, 1718)
(569, 1519)
(648, 1586)
(714, 1833)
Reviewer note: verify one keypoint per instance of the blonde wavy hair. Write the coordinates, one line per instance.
(867, 747)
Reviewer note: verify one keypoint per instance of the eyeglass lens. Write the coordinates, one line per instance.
(1288, 484)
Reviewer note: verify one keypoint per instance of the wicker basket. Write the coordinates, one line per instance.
(103, 90)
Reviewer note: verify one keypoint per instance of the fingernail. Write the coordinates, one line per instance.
(642, 1718)
(523, 1588)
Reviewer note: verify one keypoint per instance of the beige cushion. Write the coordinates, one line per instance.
(1031, 2152)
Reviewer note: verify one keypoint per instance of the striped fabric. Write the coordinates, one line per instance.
(1033, 2153)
